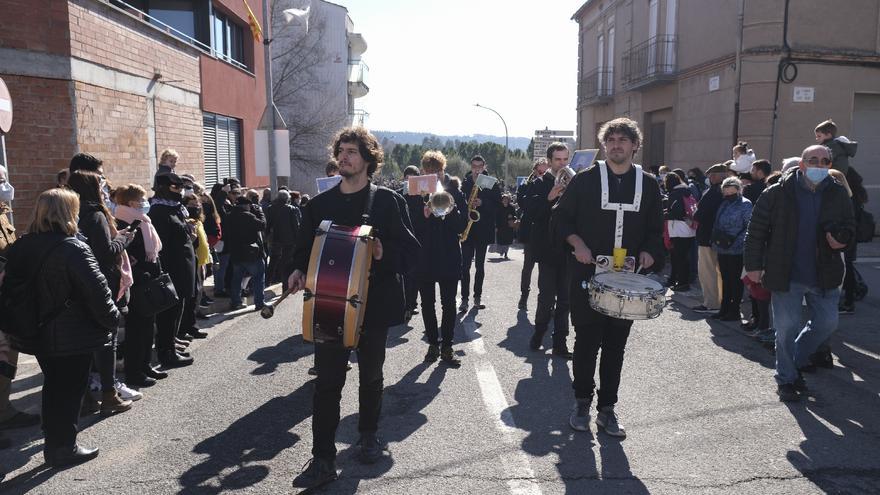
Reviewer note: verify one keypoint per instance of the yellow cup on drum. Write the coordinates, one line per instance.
(619, 258)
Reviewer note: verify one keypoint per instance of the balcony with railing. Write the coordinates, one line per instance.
(653, 61)
(358, 76)
(596, 87)
(359, 117)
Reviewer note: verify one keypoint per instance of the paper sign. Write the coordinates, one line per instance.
(325, 183)
(420, 185)
(582, 159)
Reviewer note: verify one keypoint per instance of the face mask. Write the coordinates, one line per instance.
(730, 197)
(175, 196)
(663, 177)
(145, 207)
(707, 182)
(194, 211)
(816, 174)
(7, 192)
(187, 190)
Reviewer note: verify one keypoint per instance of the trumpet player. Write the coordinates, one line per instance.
(437, 228)
(550, 254)
(525, 228)
(485, 202)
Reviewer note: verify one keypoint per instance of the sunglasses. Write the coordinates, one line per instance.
(816, 161)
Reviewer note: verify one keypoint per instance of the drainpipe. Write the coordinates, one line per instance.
(738, 87)
(783, 62)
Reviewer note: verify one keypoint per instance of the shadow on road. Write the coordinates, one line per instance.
(234, 455)
(289, 350)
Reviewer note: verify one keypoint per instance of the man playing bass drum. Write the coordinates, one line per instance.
(359, 156)
(610, 205)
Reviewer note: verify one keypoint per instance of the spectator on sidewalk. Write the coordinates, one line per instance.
(728, 238)
(797, 232)
(679, 224)
(80, 315)
(243, 227)
(707, 258)
(282, 228)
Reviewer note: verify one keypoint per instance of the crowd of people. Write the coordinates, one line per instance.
(102, 258)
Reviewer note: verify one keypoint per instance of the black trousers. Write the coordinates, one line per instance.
(849, 279)
(553, 291)
(65, 381)
(610, 335)
(681, 259)
(447, 306)
(411, 290)
(528, 265)
(730, 266)
(138, 344)
(188, 317)
(167, 325)
(330, 363)
(105, 364)
(469, 251)
(279, 259)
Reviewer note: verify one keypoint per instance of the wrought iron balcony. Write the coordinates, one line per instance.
(596, 87)
(650, 62)
(358, 75)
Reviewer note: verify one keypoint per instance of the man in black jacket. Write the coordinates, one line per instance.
(760, 170)
(549, 252)
(799, 228)
(243, 229)
(282, 229)
(525, 229)
(358, 154)
(589, 221)
(707, 258)
(482, 234)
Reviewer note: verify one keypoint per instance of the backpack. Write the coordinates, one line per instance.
(690, 209)
(20, 305)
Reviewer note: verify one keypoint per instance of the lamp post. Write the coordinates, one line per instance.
(506, 172)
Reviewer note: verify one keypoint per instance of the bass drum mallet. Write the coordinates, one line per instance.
(269, 310)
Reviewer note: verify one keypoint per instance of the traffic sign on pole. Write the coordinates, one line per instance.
(5, 108)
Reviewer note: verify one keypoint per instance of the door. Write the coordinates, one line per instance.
(866, 131)
(655, 149)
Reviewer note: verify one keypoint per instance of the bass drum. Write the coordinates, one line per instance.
(627, 296)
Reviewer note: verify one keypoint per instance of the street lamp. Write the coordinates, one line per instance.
(506, 172)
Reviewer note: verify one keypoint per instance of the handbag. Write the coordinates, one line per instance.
(152, 295)
(724, 240)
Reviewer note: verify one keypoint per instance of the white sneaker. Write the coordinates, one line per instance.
(94, 382)
(126, 393)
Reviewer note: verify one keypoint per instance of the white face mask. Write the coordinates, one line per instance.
(7, 192)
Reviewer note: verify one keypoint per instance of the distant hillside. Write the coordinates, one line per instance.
(521, 143)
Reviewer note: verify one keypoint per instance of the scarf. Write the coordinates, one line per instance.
(152, 243)
(127, 279)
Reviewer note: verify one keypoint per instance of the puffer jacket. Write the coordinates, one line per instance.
(733, 219)
(842, 149)
(108, 251)
(72, 288)
(772, 234)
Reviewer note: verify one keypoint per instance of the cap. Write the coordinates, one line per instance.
(718, 168)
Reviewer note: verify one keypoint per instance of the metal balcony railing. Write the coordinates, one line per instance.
(358, 79)
(651, 61)
(359, 117)
(596, 86)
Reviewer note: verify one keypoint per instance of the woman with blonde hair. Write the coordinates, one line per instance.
(76, 311)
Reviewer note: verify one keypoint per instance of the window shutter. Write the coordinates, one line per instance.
(209, 143)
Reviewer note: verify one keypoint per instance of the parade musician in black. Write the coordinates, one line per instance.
(359, 155)
(482, 233)
(590, 231)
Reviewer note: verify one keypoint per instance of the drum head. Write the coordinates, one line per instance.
(628, 281)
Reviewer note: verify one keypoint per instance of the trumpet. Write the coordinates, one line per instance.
(564, 176)
(441, 203)
(482, 182)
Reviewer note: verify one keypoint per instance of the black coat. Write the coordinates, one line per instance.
(69, 277)
(440, 254)
(754, 190)
(772, 234)
(242, 231)
(707, 210)
(177, 257)
(483, 232)
(282, 223)
(545, 243)
(504, 232)
(93, 225)
(525, 220)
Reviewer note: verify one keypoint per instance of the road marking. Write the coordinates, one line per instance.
(516, 463)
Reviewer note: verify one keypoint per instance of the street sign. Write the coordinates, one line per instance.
(5, 108)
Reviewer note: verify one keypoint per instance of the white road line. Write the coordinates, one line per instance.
(516, 463)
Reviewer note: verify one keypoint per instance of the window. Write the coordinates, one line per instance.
(221, 140)
(228, 42)
(187, 17)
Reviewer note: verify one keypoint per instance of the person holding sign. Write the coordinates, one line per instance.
(607, 209)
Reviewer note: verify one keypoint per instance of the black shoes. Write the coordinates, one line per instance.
(703, 309)
(20, 420)
(68, 456)
(197, 334)
(463, 307)
(372, 448)
(171, 359)
(562, 351)
(154, 373)
(318, 473)
(433, 353)
(139, 381)
(535, 341)
(449, 358)
(478, 304)
(788, 393)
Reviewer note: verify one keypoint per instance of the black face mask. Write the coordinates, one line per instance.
(731, 197)
(194, 212)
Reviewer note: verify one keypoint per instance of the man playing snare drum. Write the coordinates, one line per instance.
(359, 155)
(611, 207)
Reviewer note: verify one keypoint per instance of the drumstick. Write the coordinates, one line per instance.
(269, 310)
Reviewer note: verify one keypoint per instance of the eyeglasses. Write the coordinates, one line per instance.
(815, 161)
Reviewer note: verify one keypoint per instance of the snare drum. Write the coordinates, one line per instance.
(627, 296)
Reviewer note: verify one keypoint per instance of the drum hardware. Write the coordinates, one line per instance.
(626, 295)
(565, 175)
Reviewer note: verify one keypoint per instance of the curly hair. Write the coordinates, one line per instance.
(433, 161)
(368, 146)
(621, 125)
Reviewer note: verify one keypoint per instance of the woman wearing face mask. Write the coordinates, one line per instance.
(728, 239)
(108, 245)
(196, 220)
(143, 252)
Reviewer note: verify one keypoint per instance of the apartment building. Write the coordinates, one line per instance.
(319, 75)
(698, 75)
(543, 138)
(124, 80)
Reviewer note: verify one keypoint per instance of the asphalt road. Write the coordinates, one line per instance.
(697, 399)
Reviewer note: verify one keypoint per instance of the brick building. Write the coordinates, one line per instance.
(698, 75)
(124, 80)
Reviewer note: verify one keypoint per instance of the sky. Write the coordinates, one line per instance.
(431, 61)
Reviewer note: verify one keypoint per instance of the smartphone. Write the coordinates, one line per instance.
(134, 225)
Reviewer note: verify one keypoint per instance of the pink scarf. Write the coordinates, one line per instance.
(127, 279)
(152, 244)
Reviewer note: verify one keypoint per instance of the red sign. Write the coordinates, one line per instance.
(5, 108)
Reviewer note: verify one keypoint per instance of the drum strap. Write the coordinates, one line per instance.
(368, 207)
(620, 208)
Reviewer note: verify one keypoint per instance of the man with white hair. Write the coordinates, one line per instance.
(798, 229)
